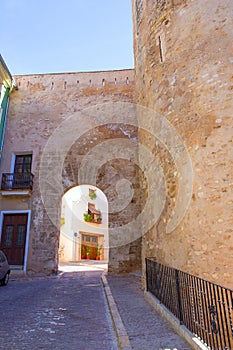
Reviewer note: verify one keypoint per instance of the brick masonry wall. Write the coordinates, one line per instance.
(39, 107)
(184, 61)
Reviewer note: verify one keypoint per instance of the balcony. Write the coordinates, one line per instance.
(16, 184)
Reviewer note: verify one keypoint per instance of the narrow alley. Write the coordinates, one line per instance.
(70, 311)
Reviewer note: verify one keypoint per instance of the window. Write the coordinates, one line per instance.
(161, 46)
(23, 163)
(21, 234)
(160, 49)
(8, 236)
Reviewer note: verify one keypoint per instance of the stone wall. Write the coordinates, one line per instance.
(79, 105)
(172, 187)
(183, 69)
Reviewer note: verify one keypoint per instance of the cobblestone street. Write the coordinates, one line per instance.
(71, 312)
(66, 312)
(146, 329)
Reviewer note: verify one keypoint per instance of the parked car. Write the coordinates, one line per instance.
(4, 269)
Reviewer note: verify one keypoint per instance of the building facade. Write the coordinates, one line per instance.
(6, 86)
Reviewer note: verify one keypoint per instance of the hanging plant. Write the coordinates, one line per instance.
(92, 194)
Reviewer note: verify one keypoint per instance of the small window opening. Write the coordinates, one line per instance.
(160, 49)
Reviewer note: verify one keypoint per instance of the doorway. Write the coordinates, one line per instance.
(92, 246)
(13, 237)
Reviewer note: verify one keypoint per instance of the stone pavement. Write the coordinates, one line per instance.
(146, 330)
(70, 311)
(65, 312)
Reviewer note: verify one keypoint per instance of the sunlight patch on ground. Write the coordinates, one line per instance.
(83, 266)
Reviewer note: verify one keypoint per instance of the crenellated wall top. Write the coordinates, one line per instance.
(79, 80)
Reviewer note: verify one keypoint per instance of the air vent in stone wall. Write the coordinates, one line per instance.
(41, 84)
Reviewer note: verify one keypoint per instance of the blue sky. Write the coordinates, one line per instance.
(52, 36)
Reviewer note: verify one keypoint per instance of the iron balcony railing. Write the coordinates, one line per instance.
(205, 308)
(17, 181)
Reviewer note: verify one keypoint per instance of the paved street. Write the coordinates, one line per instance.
(61, 313)
(146, 329)
(70, 311)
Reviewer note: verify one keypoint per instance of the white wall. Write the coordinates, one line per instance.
(74, 205)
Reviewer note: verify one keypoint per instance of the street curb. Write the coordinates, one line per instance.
(181, 330)
(122, 336)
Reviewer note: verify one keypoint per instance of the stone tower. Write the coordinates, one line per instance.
(183, 70)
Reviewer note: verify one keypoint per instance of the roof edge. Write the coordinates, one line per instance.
(5, 75)
(78, 72)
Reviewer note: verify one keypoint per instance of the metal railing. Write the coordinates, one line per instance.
(17, 181)
(205, 308)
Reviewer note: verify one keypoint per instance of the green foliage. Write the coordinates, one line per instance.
(98, 251)
(87, 217)
(88, 251)
(92, 195)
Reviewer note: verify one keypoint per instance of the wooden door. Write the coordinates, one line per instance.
(13, 238)
(89, 243)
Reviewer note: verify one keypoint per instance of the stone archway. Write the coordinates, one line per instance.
(100, 146)
(110, 176)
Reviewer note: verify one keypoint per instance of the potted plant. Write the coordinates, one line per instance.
(98, 252)
(99, 220)
(88, 252)
(87, 217)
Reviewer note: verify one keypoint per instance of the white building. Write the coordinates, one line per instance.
(84, 225)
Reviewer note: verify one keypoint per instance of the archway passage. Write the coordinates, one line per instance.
(84, 226)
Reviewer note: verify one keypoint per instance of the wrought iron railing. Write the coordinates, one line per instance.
(205, 308)
(17, 181)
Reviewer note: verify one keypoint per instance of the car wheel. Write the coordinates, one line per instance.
(5, 280)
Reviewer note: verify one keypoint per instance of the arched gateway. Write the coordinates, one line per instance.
(70, 134)
(98, 146)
